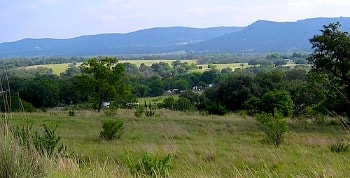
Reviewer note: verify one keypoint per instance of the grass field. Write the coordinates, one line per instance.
(157, 99)
(201, 145)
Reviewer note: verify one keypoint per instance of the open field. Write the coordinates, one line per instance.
(157, 99)
(201, 145)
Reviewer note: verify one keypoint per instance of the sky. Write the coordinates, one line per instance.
(71, 18)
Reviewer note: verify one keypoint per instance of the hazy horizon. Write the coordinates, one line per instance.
(61, 19)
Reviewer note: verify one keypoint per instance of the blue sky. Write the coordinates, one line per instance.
(70, 18)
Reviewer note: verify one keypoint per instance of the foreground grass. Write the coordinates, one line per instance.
(202, 146)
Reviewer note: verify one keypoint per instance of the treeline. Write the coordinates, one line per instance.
(264, 87)
(259, 88)
(201, 58)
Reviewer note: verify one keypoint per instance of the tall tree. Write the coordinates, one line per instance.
(332, 56)
(102, 79)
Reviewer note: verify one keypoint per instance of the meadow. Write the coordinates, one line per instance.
(201, 145)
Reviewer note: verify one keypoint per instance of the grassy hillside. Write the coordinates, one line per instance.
(201, 145)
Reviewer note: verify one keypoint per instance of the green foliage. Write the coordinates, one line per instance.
(276, 100)
(18, 105)
(168, 103)
(212, 66)
(47, 143)
(102, 79)
(181, 104)
(274, 126)
(233, 91)
(140, 111)
(271, 101)
(184, 104)
(339, 147)
(216, 109)
(71, 113)
(149, 165)
(42, 91)
(111, 129)
(273, 56)
(149, 111)
(331, 57)
(280, 62)
(23, 135)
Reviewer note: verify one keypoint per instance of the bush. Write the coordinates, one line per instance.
(150, 165)
(71, 113)
(18, 105)
(339, 147)
(149, 112)
(184, 104)
(274, 127)
(140, 111)
(111, 129)
(168, 103)
(46, 144)
(216, 109)
(23, 135)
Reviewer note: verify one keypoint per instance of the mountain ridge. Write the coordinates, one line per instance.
(262, 36)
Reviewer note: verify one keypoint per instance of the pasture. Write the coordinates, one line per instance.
(202, 145)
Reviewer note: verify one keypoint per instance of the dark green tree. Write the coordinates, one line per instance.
(42, 91)
(102, 79)
(280, 62)
(233, 91)
(331, 56)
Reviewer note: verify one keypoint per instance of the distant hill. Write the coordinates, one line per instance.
(267, 36)
(259, 37)
(152, 40)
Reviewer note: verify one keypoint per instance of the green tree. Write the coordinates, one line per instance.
(280, 62)
(102, 79)
(276, 101)
(253, 62)
(42, 91)
(233, 91)
(331, 56)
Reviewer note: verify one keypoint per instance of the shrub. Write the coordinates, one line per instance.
(274, 127)
(23, 135)
(168, 103)
(216, 109)
(149, 165)
(71, 113)
(149, 112)
(111, 129)
(184, 104)
(140, 111)
(47, 143)
(339, 147)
